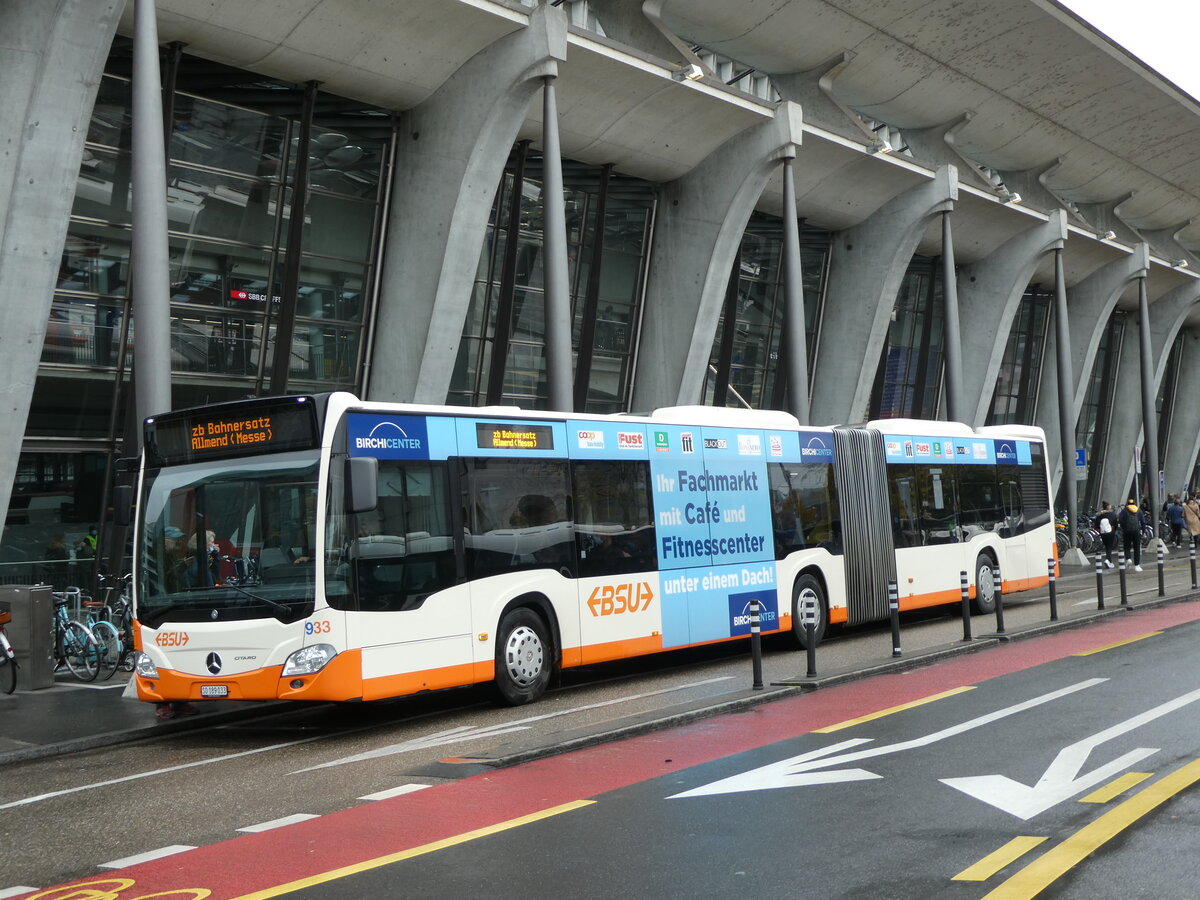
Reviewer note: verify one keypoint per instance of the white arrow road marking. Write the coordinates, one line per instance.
(1061, 781)
(798, 770)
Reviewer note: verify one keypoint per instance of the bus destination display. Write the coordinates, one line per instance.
(239, 431)
(500, 436)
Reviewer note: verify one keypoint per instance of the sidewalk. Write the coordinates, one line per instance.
(71, 717)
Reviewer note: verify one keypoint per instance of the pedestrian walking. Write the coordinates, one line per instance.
(1105, 523)
(1129, 520)
(1175, 518)
(1191, 517)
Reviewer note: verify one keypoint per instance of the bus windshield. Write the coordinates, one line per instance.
(229, 540)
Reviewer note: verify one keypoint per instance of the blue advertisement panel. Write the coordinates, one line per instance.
(387, 436)
(909, 448)
(606, 440)
(814, 446)
(511, 438)
(711, 603)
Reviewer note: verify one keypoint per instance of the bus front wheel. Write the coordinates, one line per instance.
(985, 585)
(808, 601)
(523, 657)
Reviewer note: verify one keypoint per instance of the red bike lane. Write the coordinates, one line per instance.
(276, 862)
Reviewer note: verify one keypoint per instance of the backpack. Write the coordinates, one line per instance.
(1131, 522)
(1105, 525)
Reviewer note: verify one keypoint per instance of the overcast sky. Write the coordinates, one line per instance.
(1161, 33)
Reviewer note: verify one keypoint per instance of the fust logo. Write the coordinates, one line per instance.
(631, 440)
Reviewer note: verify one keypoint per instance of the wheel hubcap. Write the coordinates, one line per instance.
(985, 583)
(808, 606)
(524, 655)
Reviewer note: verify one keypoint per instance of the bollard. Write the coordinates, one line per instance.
(894, 609)
(1162, 571)
(1052, 566)
(999, 600)
(1121, 572)
(810, 651)
(756, 645)
(965, 586)
(1099, 580)
(1192, 561)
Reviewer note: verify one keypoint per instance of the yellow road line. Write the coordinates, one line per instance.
(894, 709)
(368, 864)
(1115, 787)
(1054, 863)
(1140, 637)
(994, 862)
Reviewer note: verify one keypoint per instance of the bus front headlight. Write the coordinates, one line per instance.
(308, 660)
(145, 666)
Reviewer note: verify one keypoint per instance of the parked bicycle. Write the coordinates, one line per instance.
(109, 649)
(8, 659)
(117, 608)
(74, 644)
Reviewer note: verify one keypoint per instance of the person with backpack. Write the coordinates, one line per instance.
(1191, 517)
(1105, 522)
(1175, 517)
(1130, 522)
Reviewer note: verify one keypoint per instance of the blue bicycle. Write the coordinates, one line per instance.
(74, 644)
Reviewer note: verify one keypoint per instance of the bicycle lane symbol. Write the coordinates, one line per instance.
(114, 889)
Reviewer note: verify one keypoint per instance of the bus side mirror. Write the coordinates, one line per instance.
(362, 484)
(123, 504)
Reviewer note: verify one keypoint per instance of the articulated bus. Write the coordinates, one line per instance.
(327, 548)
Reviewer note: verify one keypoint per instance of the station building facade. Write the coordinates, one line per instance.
(420, 269)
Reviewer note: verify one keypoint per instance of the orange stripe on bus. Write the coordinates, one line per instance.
(595, 653)
(839, 615)
(414, 682)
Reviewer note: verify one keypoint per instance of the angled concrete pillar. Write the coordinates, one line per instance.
(989, 295)
(638, 23)
(935, 146)
(450, 155)
(867, 265)
(813, 90)
(52, 54)
(1183, 443)
(1125, 429)
(1031, 185)
(1091, 303)
(1103, 217)
(698, 229)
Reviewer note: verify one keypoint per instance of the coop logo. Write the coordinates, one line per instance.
(397, 437)
(687, 442)
(1005, 453)
(776, 444)
(749, 445)
(893, 448)
(817, 450)
(631, 440)
(591, 440)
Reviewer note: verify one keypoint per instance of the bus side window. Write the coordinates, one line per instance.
(905, 505)
(614, 532)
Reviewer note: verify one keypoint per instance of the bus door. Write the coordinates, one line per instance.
(926, 533)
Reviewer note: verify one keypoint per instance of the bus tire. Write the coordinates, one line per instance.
(985, 585)
(523, 657)
(807, 593)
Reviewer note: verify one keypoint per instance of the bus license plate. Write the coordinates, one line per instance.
(214, 690)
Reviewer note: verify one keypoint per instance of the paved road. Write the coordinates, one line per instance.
(200, 789)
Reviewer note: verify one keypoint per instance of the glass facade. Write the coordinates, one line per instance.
(1014, 399)
(744, 365)
(233, 145)
(507, 312)
(1091, 431)
(909, 377)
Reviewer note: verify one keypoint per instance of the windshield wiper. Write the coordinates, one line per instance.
(274, 604)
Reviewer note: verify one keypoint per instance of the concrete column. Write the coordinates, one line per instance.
(796, 364)
(449, 160)
(867, 265)
(698, 229)
(1183, 444)
(1091, 303)
(989, 295)
(52, 54)
(951, 329)
(1126, 426)
(151, 274)
(556, 292)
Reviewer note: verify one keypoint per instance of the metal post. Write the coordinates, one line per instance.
(964, 584)
(1192, 561)
(1099, 580)
(1066, 389)
(952, 338)
(793, 318)
(756, 645)
(1052, 565)
(999, 601)
(894, 610)
(810, 649)
(1121, 571)
(151, 273)
(554, 245)
(1149, 415)
(1162, 572)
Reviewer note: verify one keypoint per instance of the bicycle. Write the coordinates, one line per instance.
(8, 659)
(109, 649)
(119, 612)
(74, 644)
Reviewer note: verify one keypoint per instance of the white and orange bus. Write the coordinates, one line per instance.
(328, 548)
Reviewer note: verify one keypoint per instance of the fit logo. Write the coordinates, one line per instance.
(171, 638)
(612, 600)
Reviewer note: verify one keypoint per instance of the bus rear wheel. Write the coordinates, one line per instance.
(523, 657)
(985, 585)
(808, 597)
